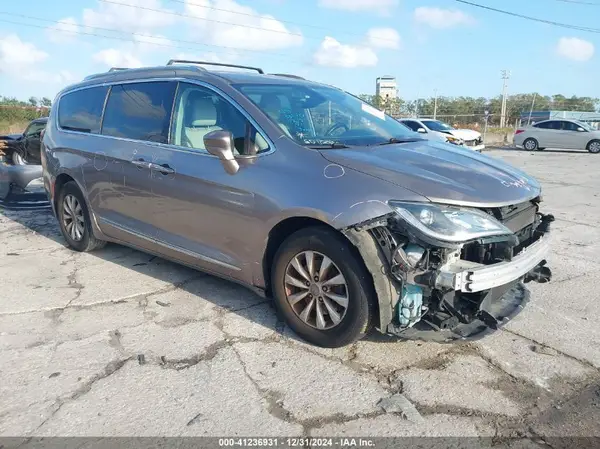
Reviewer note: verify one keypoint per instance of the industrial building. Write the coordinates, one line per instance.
(386, 88)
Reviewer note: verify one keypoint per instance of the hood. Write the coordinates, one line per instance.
(441, 172)
(11, 137)
(466, 134)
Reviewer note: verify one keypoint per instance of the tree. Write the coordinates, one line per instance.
(46, 102)
(33, 101)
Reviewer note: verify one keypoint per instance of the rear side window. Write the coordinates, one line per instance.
(82, 110)
(140, 111)
(548, 125)
(412, 125)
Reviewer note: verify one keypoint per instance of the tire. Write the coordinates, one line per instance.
(17, 158)
(530, 144)
(355, 320)
(594, 146)
(84, 240)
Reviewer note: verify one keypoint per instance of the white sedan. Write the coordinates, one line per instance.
(568, 134)
(436, 130)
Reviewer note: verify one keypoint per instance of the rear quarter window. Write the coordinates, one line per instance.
(140, 111)
(82, 110)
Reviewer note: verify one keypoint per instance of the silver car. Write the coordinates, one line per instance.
(301, 192)
(567, 134)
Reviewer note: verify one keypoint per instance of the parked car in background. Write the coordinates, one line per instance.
(567, 134)
(436, 130)
(301, 192)
(24, 149)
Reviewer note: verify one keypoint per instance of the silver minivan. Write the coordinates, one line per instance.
(301, 192)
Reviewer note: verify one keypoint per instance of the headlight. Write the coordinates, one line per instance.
(447, 223)
(454, 140)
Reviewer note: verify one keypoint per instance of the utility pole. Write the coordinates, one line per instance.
(435, 105)
(505, 77)
(531, 110)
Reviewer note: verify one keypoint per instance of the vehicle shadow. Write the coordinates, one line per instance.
(228, 296)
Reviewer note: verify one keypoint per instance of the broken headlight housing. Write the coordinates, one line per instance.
(447, 223)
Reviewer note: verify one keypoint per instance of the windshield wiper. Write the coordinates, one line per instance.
(329, 146)
(401, 140)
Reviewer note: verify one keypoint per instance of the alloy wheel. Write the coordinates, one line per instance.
(530, 145)
(316, 290)
(594, 147)
(73, 219)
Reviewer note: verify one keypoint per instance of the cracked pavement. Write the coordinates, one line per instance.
(122, 343)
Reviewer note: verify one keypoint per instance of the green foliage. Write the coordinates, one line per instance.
(14, 111)
(471, 110)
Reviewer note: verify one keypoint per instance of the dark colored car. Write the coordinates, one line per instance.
(301, 192)
(24, 149)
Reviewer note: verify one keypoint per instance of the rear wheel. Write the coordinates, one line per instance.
(74, 219)
(322, 288)
(594, 146)
(531, 144)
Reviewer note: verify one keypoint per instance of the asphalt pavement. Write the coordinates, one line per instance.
(122, 343)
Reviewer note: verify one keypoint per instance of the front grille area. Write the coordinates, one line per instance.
(516, 217)
(474, 142)
(520, 219)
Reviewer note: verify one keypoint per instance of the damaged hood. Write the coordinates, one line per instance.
(441, 172)
(465, 134)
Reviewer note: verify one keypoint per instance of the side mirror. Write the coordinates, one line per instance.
(580, 129)
(422, 130)
(220, 144)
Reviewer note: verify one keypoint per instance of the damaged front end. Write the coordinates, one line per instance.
(444, 273)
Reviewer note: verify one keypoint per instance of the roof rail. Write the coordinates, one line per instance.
(185, 61)
(114, 69)
(287, 75)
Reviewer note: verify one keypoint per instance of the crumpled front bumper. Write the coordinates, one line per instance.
(470, 277)
(20, 175)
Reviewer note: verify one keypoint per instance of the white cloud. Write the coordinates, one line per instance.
(128, 18)
(383, 38)
(16, 55)
(381, 6)
(332, 53)
(61, 78)
(575, 49)
(113, 57)
(442, 18)
(23, 60)
(64, 31)
(247, 30)
(151, 42)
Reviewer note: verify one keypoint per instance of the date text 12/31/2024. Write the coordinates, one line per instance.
(296, 442)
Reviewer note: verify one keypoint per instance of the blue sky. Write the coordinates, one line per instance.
(439, 44)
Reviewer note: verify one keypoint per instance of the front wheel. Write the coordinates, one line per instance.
(594, 147)
(530, 144)
(322, 288)
(17, 158)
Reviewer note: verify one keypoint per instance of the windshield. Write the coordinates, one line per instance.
(315, 115)
(437, 126)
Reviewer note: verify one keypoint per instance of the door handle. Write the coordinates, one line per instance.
(142, 163)
(164, 169)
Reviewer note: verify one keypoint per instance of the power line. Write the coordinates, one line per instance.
(134, 41)
(223, 22)
(138, 34)
(187, 16)
(535, 19)
(579, 2)
(258, 16)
